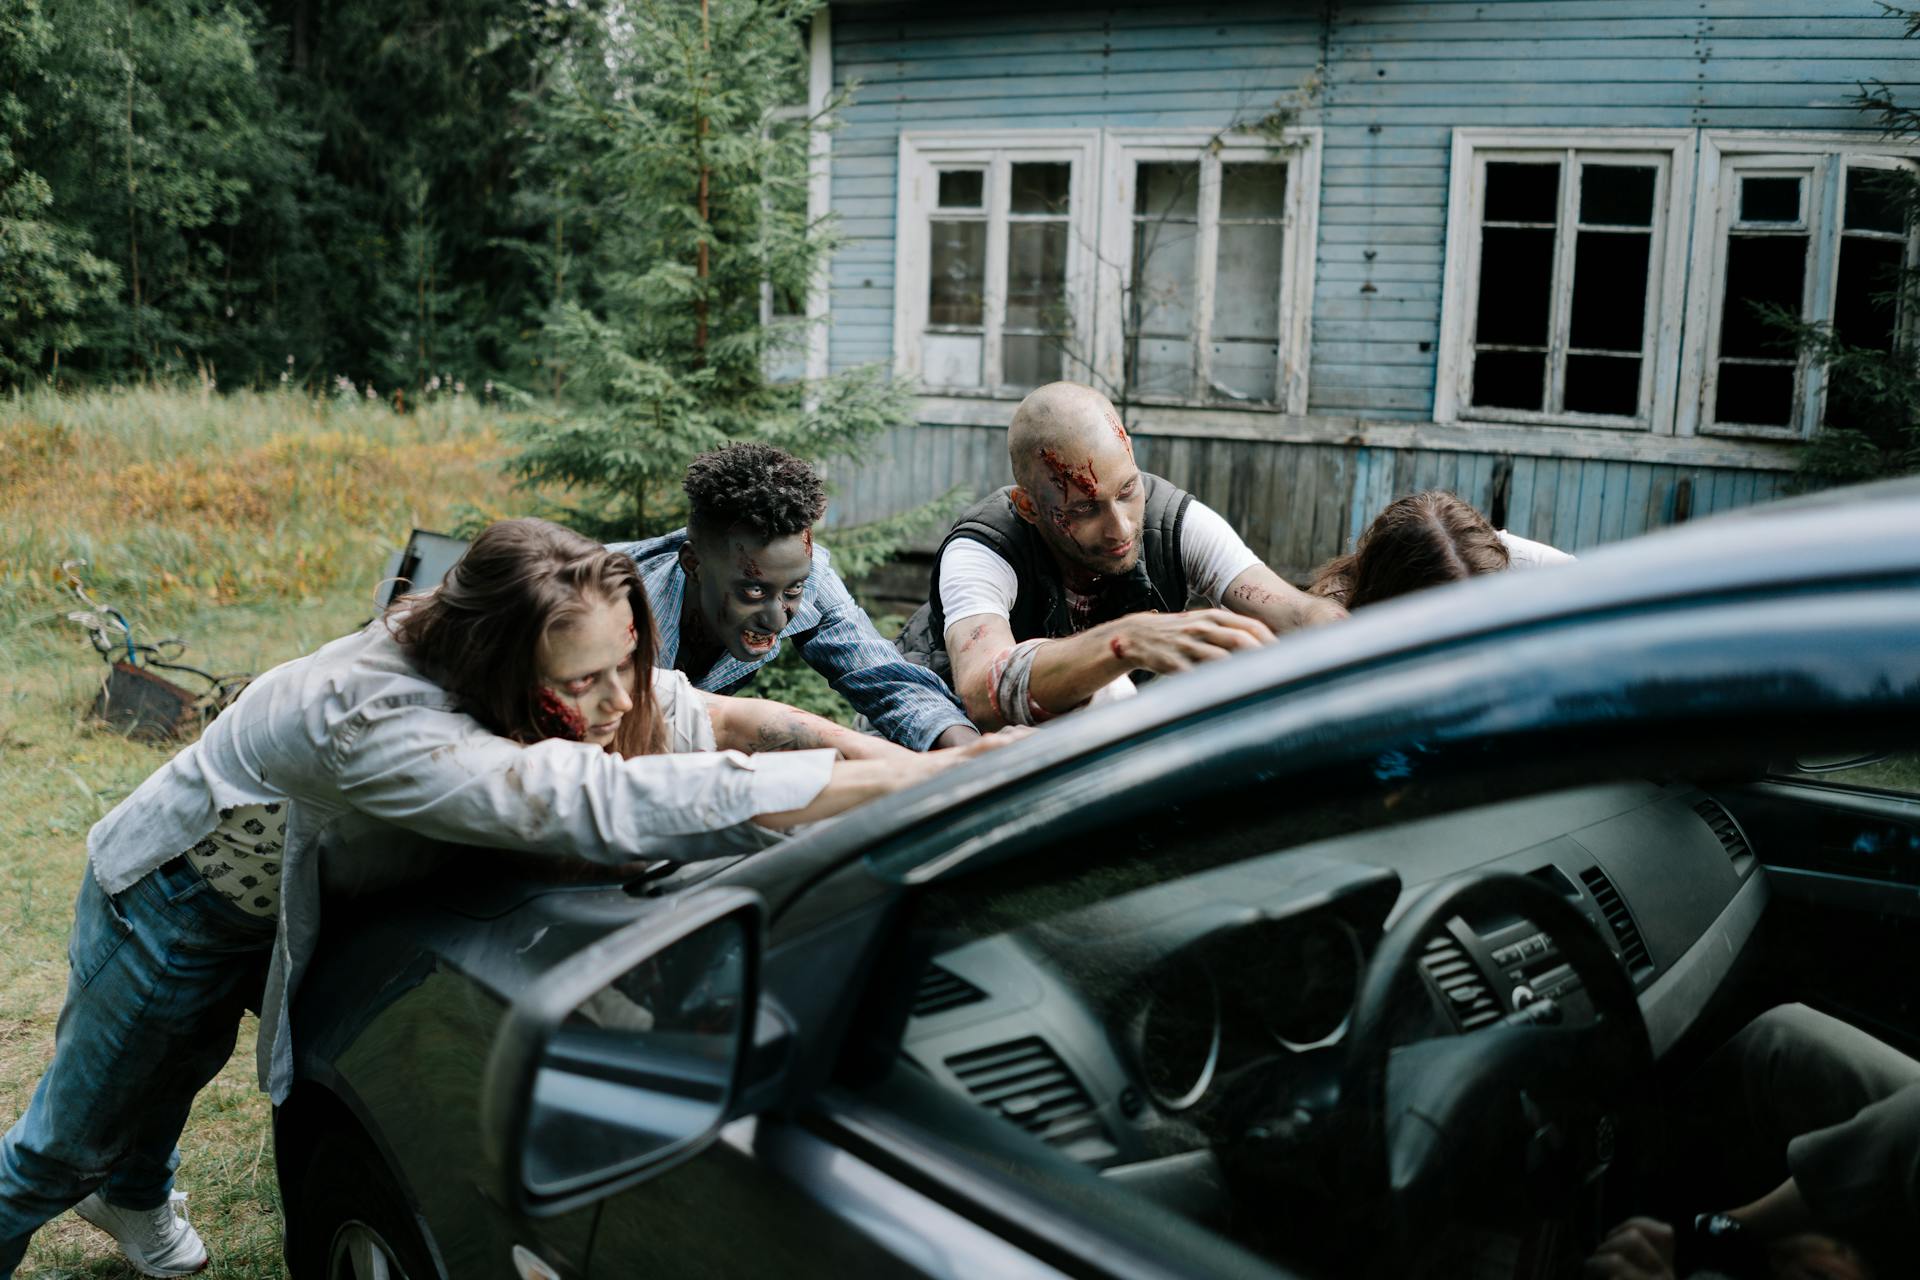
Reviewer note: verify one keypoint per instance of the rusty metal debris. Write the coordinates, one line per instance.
(134, 698)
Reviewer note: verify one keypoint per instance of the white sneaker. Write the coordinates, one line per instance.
(158, 1242)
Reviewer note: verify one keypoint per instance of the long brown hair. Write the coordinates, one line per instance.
(1420, 541)
(479, 632)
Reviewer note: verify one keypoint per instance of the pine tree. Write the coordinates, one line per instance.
(679, 208)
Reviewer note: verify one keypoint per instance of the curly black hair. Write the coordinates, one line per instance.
(753, 486)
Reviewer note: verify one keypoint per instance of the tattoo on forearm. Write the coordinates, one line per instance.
(1248, 593)
(796, 732)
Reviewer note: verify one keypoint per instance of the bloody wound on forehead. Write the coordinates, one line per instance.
(1067, 477)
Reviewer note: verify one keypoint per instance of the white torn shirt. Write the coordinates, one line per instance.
(355, 731)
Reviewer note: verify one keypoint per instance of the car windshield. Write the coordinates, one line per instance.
(1185, 1000)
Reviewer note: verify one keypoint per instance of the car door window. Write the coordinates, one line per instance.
(1896, 774)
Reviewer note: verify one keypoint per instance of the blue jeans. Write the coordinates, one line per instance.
(158, 977)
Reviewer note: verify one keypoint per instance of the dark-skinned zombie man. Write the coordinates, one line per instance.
(1050, 594)
(746, 574)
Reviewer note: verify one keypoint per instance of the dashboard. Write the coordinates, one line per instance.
(1129, 1034)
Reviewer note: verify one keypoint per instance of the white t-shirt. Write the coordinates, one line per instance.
(1524, 553)
(975, 579)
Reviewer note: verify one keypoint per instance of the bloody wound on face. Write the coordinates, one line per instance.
(554, 718)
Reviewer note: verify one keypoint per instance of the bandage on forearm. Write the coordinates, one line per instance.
(1009, 680)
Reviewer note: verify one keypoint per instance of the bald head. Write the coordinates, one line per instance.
(1075, 478)
(1061, 424)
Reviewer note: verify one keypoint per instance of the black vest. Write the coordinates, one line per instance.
(1158, 581)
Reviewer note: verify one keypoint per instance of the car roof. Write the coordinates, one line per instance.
(1850, 535)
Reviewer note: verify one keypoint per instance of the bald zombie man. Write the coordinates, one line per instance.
(1052, 593)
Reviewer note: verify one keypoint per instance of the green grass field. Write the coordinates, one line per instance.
(254, 527)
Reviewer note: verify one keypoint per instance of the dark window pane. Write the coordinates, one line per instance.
(1253, 191)
(1036, 275)
(1760, 270)
(1619, 194)
(954, 283)
(1516, 285)
(1869, 270)
(1610, 289)
(1167, 190)
(1770, 200)
(1041, 188)
(1028, 361)
(1523, 192)
(1603, 384)
(1510, 379)
(961, 188)
(1758, 394)
(1873, 200)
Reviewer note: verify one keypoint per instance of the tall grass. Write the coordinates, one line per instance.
(174, 497)
(255, 526)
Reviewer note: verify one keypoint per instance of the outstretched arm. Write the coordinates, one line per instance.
(759, 724)
(855, 782)
(906, 702)
(1069, 670)
(1261, 593)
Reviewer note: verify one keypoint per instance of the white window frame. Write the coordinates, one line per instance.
(1724, 155)
(922, 155)
(1672, 152)
(1124, 151)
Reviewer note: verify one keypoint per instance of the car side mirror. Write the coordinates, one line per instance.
(625, 1058)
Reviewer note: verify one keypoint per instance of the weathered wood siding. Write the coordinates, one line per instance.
(1394, 80)
(1299, 505)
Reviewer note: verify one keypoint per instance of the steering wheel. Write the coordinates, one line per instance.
(1512, 1116)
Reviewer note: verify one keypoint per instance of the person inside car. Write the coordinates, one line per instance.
(1052, 593)
(746, 574)
(507, 709)
(1814, 1128)
(1424, 540)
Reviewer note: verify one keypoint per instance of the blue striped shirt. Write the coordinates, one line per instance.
(904, 701)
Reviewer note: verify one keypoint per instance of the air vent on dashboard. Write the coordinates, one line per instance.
(1726, 831)
(1633, 950)
(1461, 982)
(1026, 1082)
(942, 989)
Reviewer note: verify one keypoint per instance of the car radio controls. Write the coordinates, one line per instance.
(1516, 953)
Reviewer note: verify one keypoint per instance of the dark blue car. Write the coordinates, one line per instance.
(1384, 950)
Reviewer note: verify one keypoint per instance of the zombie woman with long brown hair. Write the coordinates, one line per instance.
(1424, 540)
(516, 707)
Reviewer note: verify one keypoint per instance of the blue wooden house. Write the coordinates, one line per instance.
(1324, 254)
